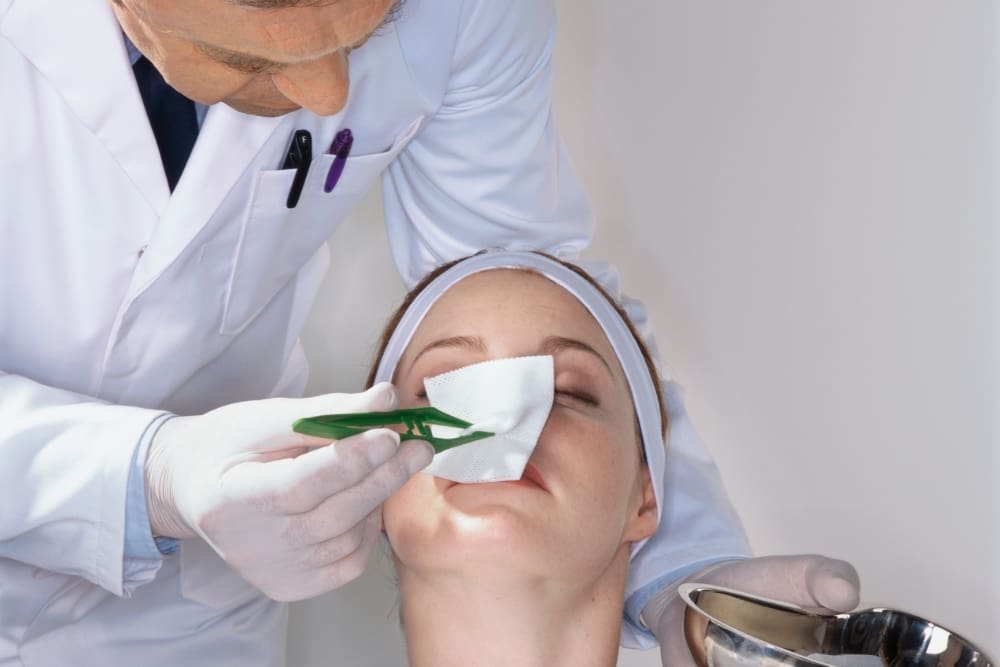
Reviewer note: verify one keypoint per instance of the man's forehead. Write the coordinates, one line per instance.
(281, 31)
(280, 4)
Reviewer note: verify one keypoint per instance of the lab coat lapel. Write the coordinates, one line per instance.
(79, 49)
(227, 149)
(81, 52)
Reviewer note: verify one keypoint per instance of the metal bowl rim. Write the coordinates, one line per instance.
(685, 590)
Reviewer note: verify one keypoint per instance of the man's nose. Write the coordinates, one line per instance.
(319, 86)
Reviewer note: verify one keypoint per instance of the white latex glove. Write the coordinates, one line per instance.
(806, 581)
(294, 515)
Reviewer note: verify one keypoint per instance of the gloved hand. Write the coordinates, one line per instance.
(293, 515)
(806, 581)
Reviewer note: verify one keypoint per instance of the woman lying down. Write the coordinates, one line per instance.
(530, 571)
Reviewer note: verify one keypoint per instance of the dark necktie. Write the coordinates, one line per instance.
(172, 117)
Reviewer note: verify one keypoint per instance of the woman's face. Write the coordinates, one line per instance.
(584, 495)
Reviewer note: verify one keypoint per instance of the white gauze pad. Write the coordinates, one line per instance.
(509, 397)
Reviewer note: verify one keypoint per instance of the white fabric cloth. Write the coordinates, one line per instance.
(510, 398)
(119, 300)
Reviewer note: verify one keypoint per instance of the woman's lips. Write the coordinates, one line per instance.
(532, 474)
(530, 477)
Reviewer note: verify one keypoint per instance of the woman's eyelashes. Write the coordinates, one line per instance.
(576, 397)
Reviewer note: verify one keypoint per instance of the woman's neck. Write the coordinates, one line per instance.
(483, 618)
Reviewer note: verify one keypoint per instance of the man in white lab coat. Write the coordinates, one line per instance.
(155, 504)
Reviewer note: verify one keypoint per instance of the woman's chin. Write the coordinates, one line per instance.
(482, 537)
(504, 513)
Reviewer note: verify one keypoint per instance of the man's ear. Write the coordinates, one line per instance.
(642, 514)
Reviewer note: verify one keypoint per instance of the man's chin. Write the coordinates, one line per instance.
(260, 110)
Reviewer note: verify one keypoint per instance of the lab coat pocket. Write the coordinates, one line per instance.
(208, 580)
(277, 241)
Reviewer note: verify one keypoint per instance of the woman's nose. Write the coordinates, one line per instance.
(319, 86)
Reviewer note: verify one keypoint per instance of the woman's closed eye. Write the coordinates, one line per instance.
(575, 397)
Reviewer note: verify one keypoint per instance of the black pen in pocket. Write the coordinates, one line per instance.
(298, 157)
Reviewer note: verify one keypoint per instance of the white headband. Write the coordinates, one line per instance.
(644, 395)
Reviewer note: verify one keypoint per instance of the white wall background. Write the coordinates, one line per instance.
(805, 194)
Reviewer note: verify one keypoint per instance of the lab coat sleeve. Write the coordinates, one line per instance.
(487, 168)
(64, 474)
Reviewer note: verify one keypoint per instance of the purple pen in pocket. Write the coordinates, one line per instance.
(340, 148)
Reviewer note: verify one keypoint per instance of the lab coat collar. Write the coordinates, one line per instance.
(75, 44)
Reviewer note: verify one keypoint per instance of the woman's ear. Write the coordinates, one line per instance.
(642, 514)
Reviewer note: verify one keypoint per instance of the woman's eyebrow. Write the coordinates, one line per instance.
(474, 343)
(553, 344)
(550, 345)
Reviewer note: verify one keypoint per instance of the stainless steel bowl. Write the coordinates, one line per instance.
(727, 628)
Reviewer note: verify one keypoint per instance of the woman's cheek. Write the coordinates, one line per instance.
(607, 469)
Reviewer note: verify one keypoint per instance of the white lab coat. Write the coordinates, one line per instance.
(119, 300)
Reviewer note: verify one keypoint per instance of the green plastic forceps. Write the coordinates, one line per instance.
(336, 427)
